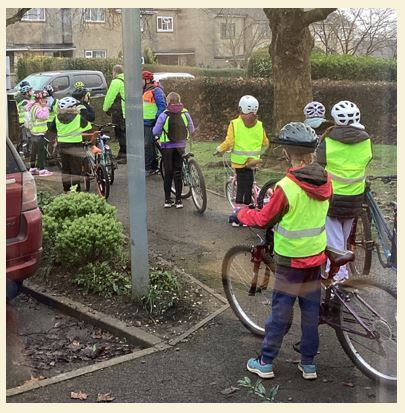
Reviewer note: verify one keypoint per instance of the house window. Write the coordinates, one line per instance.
(95, 54)
(164, 24)
(94, 15)
(228, 30)
(34, 15)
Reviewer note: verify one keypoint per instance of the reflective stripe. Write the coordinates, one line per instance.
(247, 153)
(309, 232)
(346, 180)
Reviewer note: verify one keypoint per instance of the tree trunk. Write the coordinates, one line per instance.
(290, 51)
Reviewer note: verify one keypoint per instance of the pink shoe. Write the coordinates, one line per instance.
(34, 171)
(45, 172)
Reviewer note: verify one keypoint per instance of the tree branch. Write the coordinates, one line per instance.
(316, 15)
(16, 17)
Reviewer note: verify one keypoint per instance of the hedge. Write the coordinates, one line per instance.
(333, 67)
(213, 102)
(26, 66)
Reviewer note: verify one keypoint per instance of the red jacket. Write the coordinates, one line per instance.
(314, 180)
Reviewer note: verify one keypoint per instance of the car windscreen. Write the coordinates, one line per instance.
(37, 81)
(13, 163)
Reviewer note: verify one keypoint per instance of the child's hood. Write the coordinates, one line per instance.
(348, 134)
(313, 179)
(175, 107)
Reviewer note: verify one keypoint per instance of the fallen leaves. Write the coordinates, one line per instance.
(78, 395)
(104, 397)
(229, 390)
(33, 380)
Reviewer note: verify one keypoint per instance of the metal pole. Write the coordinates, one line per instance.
(135, 151)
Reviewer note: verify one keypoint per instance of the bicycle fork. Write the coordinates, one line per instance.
(257, 259)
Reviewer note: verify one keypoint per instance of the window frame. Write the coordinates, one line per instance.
(89, 19)
(225, 34)
(27, 19)
(161, 19)
(92, 53)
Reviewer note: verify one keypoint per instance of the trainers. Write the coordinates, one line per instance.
(179, 204)
(236, 224)
(168, 203)
(265, 371)
(34, 171)
(340, 278)
(45, 172)
(308, 371)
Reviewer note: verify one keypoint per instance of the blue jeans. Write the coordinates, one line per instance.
(151, 163)
(292, 283)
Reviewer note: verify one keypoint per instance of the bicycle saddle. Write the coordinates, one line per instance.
(339, 257)
(187, 155)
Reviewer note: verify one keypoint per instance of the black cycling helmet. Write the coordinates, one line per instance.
(299, 135)
(79, 93)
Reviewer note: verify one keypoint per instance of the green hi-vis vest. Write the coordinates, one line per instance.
(164, 136)
(301, 231)
(39, 126)
(150, 108)
(71, 132)
(248, 141)
(53, 112)
(346, 165)
(21, 110)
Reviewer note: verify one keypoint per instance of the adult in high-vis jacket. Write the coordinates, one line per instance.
(297, 212)
(345, 152)
(114, 105)
(246, 139)
(154, 104)
(70, 123)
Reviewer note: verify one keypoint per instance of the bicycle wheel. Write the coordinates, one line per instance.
(376, 304)
(198, 191)
(248, 287)
(53, 154)
(109, 166)
(360, 242)
(102, 182)
(86, 173)
(230, 192)
(266, 192)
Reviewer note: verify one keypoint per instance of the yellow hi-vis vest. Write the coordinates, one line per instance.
(164, 137)
(301, 231)
(39, 126)
(71, 132)
(150, 108)
(248, 141)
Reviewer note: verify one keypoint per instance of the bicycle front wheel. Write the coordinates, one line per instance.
(109, 166)
(266, 192)
(360, 242)
(198, 191)
(230, 192)
(248, 287)
(375, 304)
(102, 182)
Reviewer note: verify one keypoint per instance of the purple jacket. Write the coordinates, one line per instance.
(158, 128)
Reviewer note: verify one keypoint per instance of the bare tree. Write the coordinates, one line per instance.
(358, 31)
(16, 16)
(290, 50)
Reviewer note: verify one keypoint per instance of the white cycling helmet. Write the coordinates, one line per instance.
(314, 110)
(248, 104)
(346, 113)
(67, 102)
(297, 134)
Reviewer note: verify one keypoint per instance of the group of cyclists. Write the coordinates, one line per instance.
(314, 205)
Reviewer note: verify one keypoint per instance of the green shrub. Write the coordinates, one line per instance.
(44, 199)
(87, 239)
(333, 67)
(100, 278)
(164, 291)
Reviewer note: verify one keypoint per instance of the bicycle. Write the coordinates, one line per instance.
(361, 311)
(231, 183)
(193, 179)
(106, 156)
(92, 166)
(361, 240)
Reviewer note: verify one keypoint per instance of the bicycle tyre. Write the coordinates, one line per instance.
(230, 192)
(109, 166)
(382, 371)
(102, 181)
(361, 245)
(252, 310)
(264, 192)
(86, 172)
(198, 190)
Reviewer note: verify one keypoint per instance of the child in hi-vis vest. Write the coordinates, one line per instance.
(246, 138)
(173, 126)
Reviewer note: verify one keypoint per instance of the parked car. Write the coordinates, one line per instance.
(62, 82)
(23, 223)
(159, 76)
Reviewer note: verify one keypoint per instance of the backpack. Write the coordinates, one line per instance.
(177, 130)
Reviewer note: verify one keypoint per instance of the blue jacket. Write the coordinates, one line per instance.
(160, 103)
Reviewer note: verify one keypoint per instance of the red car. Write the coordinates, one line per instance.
(23, 223)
